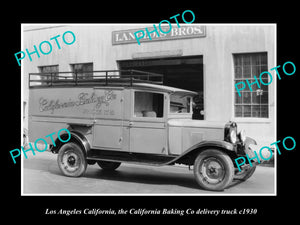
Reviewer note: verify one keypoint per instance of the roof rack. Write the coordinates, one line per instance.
(99, 77)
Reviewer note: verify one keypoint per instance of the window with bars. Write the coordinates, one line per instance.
(83, 70)
(253, 103)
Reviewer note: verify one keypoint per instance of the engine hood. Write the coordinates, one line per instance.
(185, 133)
(196, 123)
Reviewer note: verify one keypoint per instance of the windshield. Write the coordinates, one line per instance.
(180, 103)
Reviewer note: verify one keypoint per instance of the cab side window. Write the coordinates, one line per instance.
(147, 104)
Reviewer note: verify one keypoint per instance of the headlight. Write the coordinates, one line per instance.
(242, 136)
(233, 136)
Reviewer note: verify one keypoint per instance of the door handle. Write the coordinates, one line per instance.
(130, 124)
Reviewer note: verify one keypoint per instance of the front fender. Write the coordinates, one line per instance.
(249, 141)
(219, 144)
(187, 157)
(247, 150)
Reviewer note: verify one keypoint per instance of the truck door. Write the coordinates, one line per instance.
(108, 119)
(147, 126)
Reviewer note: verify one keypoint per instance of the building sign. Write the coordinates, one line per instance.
(190, 31)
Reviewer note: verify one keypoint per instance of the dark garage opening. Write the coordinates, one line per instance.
(181, 72)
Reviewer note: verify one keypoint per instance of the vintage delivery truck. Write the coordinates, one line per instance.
(118, 116)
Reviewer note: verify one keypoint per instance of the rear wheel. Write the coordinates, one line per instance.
(109, 166)
(213, 170)
(71, 160)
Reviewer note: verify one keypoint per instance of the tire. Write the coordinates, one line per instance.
(246, 173)
(213, 170)
(109, 166)
(71, 160)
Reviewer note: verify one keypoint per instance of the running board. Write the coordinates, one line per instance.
(137, 158)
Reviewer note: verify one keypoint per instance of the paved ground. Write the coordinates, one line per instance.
(41, 175)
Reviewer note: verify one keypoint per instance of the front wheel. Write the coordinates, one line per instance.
(71, 160)
(245, 174)
(213, 170)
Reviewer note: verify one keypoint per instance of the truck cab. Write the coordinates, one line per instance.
(131, 117)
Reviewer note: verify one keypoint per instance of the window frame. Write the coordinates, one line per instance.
(85, 73)
(250, 78)
(55, 74)
(152, 119)
(183, 113)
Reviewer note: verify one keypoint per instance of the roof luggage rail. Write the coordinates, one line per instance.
(98, 77)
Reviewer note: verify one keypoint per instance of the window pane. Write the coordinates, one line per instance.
(246, 71)
(266, 76)
(49, 70)
(255, 71)
(82, 70)
(264, 111)
(264, 98)
(78, 67)
(148, 104)
(246, 97)
(88, 67)
(264, 60)
(255, 97)
(255, 111)
(255, 59)
(246, 60)
(238, 111)
(247, 111)
(263, 68)
(238, 99)
(265, 82)
(264, 87)
(179, 103)
(238, 72)
(239, 86)
(253, 84)
(238, 60)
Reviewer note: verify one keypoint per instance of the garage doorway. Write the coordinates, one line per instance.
(181, 72)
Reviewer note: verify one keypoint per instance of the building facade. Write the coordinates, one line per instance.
(209, 59)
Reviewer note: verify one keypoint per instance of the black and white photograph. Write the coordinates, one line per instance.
(166, 116)
(155, 117)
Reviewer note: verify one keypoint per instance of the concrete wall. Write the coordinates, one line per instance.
(94, 44)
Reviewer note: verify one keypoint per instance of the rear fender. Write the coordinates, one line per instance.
(76, 137)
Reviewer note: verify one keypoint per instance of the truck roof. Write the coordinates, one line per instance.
(163, 88)
(115, 78)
